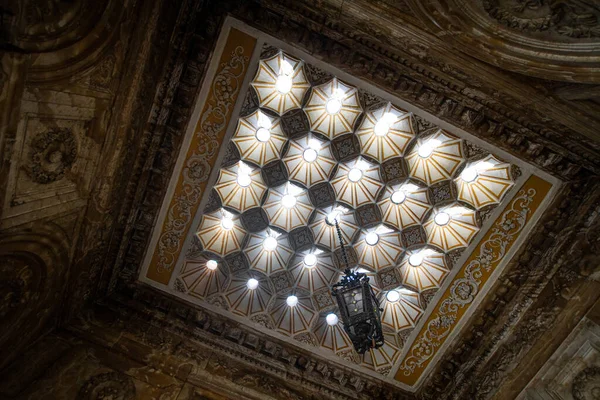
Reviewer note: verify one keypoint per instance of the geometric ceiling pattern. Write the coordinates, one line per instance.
(309, 149)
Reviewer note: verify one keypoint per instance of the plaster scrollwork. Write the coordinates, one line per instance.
(576, 19)
(51, 155)
(109, 385)
(586, 385)
(213, 121)
(464, 290)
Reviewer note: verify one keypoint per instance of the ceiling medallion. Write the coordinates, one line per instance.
(309, 161)
(424, 269)
(435, 158)
(333, 108)
(484, 182)
(240, 187)
(325, 233)
(248, 295)
(313, 271)
(280, 83)
(259, 139)
(268, 252)
(385, 133)
(357, 184)
(220, 232)
(405, 205)
(404, 311)
(293, 314)
(203, 278)
(451, 227)
(288, 207)
(379, 248)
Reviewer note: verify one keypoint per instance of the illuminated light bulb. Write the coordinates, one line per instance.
(415, 259)
(392, 296)
(381, 128)
(252, 284)
(310, 260)
(355, 175)
(333, 105)
(286, 68)
(469, 174)
(398, 197)
(212, 265)
(288, 201)
(291, 301)
(263, 134)
(442, 218)
(331, 319)
(244, 180)
(227, 223)
(333, 217)
(270, 243)
(309, 155)
(427, 148)
(372, 238)
(283, 84)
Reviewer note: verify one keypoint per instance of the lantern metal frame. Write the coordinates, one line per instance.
(363, 326)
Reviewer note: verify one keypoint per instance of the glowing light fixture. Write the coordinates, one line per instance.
(392, 296)
(331, 319)
(415, 259)
(310, 155)
(310, 260)
(442, 218)
(284, 81)
(288, 201)
(426, 149)
(252, 284)
(333, 106)
(270, 243)
(398, 197)
(291, 301)
(263, 134)
(372, 238)
(355, 175)
(334, 216)
(382, 127)
(212, 265)
(226, 223)
(243, 175)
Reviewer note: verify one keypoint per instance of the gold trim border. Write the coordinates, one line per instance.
(202, 153)
(475, 273)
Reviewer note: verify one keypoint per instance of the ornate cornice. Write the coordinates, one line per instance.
(546, 285)
(205, 338)
(125, 221)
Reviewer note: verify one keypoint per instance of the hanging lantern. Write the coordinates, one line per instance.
(359, 307)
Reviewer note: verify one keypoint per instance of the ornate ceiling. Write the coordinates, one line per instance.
(305, 148)
(168, 171)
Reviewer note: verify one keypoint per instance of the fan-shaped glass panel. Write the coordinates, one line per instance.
(259, 138)
(385, 133)
(216, 238)
(333, 108)
(484, 182)
(456, 233)
(280, 83)
(435, 158)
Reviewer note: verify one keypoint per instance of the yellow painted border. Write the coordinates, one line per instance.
(478, 268)
(202, 153)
